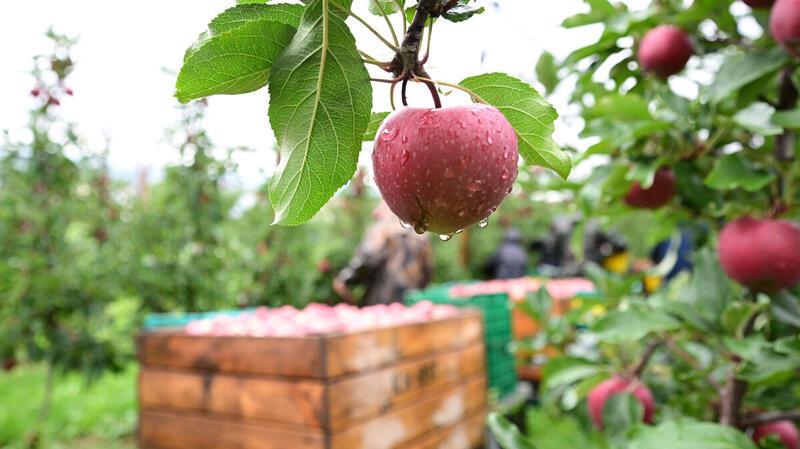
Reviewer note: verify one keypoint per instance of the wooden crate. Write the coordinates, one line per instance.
(414, 386)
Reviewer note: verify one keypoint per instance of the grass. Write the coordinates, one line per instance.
(100, 415)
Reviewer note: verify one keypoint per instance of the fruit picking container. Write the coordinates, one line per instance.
(413, 386)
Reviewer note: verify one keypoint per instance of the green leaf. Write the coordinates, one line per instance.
(756, 118)
(462, 11)
(250, 2)
(737, 315)
(547, 72)
(787, 119)
(644, 172)
(387, 6)
(531, 116)
(786, 308)
(241, 15)
(556, 432)
(237, 53)
(507, 433)
(690, 434)
(374, 123)
(633, 324)
(568, 370)
(743, 68)
(764, 364)
(710, 290)
(600, 10)
(320, 103)
(733, 172)
(621, 412)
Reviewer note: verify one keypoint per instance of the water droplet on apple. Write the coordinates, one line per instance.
(404, 155)
(474, 112)
(445, 237)
(404, 225)
(459, 231)
(461, 124)
(483, 223)
(462, 213)
(505, 175)
(389, 134)
(420, 228)
(474, 186)
(448, 172)
(509, 189)
(489, 139)
(506, 152)
(404, 138)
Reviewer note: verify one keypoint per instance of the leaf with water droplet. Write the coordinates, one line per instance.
(530, 114)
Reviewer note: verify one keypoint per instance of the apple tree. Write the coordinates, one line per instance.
(690, 111)
(56, 217)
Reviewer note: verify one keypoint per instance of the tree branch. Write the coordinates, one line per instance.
(755, 419)
(637, 370)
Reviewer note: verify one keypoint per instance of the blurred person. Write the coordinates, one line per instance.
(606, 249)
(556, 256)
(510, 261)
(390, 260)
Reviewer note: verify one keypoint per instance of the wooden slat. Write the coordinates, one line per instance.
(468, 434)
(350, 353)
(395, 430)
(173, 431)
(296, 402)
(312, 357)
(366, 395)
(295, 357)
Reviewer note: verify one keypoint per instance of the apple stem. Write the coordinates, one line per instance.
(406, 64)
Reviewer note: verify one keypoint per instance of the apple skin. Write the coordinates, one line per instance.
(442, 170)
(784, 24)
(601, 393)
(657, 195)
(785, 430)
(763, 255)
(665, 50)
(759, 4)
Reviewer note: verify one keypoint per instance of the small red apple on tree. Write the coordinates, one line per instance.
(665, 50)
(657, 195)
(763, 255)
(442, 170)
(784, 23)
(785, 430)
(616, 385)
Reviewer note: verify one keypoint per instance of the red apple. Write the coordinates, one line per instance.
(600, 394)
(763, 255)
(784, 23)
(665, 50)
(786, 431)
(442, 170)
(658, 194)
(761, 4)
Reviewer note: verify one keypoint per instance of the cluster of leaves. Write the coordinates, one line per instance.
(321, 95)
(721, 126)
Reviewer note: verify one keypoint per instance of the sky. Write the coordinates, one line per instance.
(128, 54)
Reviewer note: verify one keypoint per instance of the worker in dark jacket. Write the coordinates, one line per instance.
(389, 261)
(510, 261)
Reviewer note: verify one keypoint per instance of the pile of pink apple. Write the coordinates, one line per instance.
(559, 289)
(317, 319)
